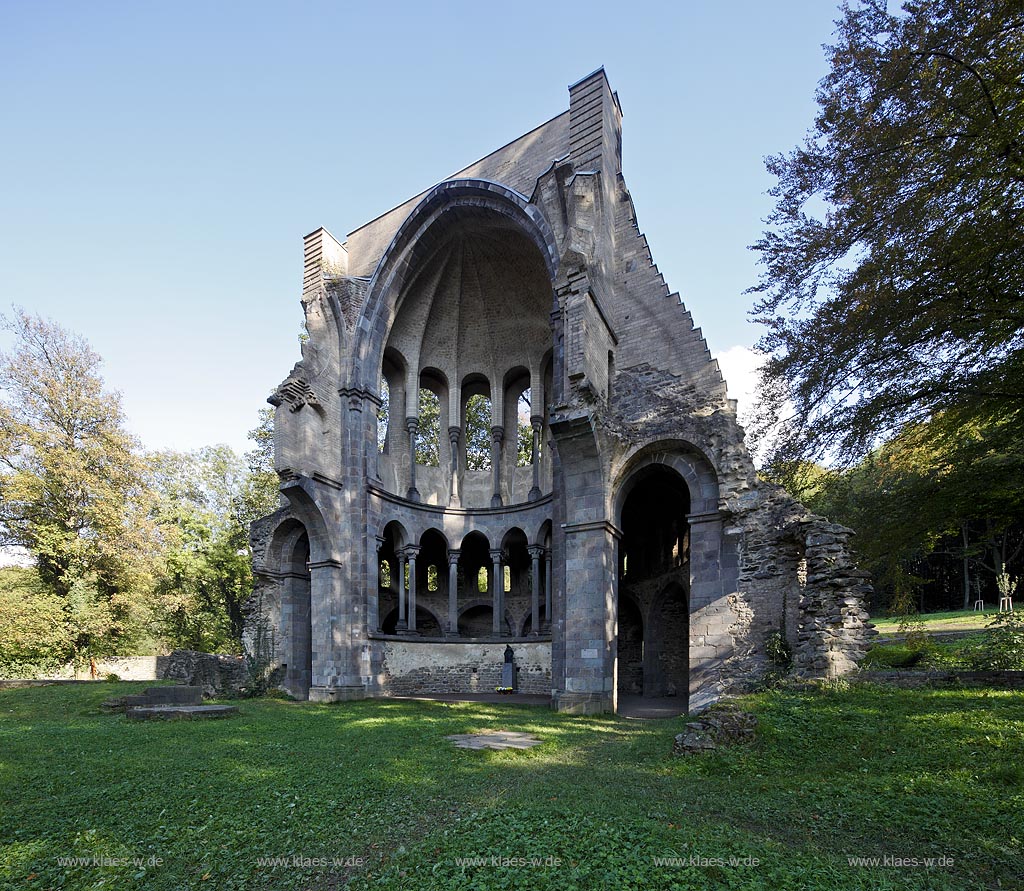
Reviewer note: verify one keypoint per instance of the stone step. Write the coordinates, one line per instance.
(179, 694)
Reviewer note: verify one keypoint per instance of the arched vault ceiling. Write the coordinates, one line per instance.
(479, 303)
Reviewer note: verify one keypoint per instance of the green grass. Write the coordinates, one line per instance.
(866, 771)
(956, 654)
(958, 620)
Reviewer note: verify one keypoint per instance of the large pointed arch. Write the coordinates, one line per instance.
(418, 236)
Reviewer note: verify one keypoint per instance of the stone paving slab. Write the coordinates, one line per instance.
(494, 739)
(180, 712)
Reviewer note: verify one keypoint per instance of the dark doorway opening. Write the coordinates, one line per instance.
(654, 581)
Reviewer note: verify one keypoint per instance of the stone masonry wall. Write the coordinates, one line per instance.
(412, 668)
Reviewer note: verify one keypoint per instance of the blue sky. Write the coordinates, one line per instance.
(161, 162)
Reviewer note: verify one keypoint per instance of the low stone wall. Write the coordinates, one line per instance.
(1010, 680)
(218, 675)
(127, 668)
(414, 668)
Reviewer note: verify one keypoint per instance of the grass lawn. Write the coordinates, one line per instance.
(959, 620)
(953, 654)
(862, 772)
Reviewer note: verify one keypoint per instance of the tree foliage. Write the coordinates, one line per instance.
(71, 489)
(259, 494)
(428, 437)
(893, 283)
(34, 632)
(477, 431)
(938, 506)
(201, 510)
(129, 549)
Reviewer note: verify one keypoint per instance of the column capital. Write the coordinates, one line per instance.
(497, 434)
(497, 555)
(454, 433)
(537, 422)
(412, 424)
(410, 551)
(453, 556)
(536, 551)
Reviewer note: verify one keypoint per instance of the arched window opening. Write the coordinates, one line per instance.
(481, 580)
(383, 414)
(431, 578)
(385, 573)
(516, 564)
(478, 432)
(428, 439)
(656, 535)
(524, 453)
(476, 621)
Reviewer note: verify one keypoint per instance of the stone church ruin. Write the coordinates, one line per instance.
(506, 430)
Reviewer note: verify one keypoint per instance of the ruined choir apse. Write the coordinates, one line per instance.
(506, 429)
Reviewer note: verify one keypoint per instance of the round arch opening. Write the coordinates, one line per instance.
(653, 586)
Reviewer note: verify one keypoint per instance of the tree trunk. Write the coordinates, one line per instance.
(966, 567)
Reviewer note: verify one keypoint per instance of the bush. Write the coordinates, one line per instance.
(949, 657)
(778, 649)
(20, 668)
(1002, 647)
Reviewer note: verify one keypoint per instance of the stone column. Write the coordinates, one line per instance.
(413, 426)
(373, 617)
(497, 434)
(453, 593)
(536, 552)
(547, 585)
(709, 608)
(537, 423)
(412, 551)
(497, 593)
(336, 672)
(590, 592)
(454, 434)
(401, 624)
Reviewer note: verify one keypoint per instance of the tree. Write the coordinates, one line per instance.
(524, 430)
(203, 514)
(893, 287)
(428, 436)
(260, 494)
(33, 630)
(71, 487)
(939, 506)
(477, 430)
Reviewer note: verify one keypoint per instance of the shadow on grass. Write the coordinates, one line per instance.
(831, 774)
